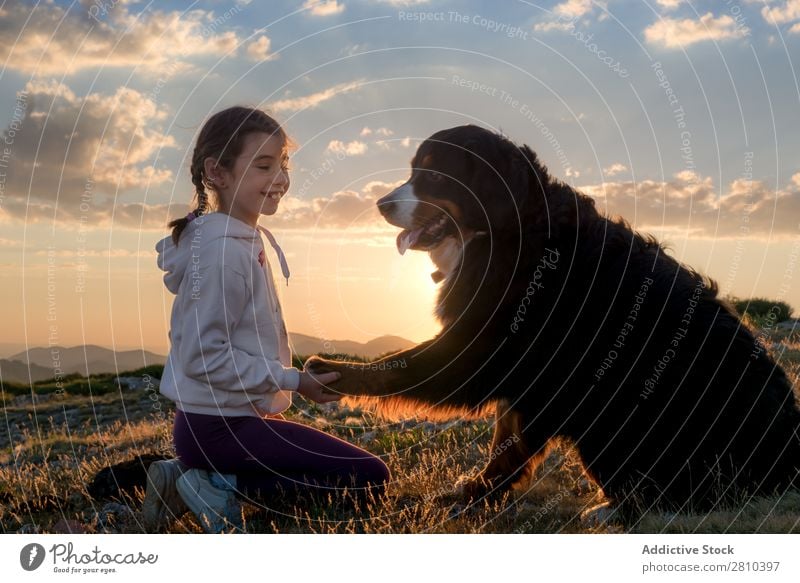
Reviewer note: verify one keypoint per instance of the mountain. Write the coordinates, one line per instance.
(15, 371)
(88, 359)
(306, 345)
(39, 363)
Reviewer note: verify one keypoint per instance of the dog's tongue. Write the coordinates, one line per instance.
(407, 238)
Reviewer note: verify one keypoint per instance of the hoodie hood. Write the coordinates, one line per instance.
(175, 259)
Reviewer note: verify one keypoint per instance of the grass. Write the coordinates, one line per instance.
(50, 450)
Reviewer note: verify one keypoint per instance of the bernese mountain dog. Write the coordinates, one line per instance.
(566, 323)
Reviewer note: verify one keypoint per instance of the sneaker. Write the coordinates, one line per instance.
(217, 509)
(162, 502)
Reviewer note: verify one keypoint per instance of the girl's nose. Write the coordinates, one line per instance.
(282, 177)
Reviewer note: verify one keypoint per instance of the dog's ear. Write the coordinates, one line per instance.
(502, 175)
(487, 181)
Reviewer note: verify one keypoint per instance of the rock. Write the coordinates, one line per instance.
(601, 515)
(455, 511)
(368, 436)
(112, 514)
(115, 508)
(29, 528)
(328, 407)
(451, 424)
(67, 526)
(321, 422)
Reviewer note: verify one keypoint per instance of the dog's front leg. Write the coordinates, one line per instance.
(441, 371)
(515, 453)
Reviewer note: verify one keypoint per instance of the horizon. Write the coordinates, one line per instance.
(8, 349)
(682, 118)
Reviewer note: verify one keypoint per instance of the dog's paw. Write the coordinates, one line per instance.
(351, 379)
(317, 365)
(472, 488)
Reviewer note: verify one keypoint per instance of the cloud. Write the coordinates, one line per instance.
(692, 203)
(686, 202)
(673, 33)
(668, 5)
(71, 155)
(354, 148)
(50, 40)
(343, 209)
(258, 50)
(404, 2)
(313, 100)
(565, 15)
(573, 8)
(367, 131)
(554, 25)
(406, 142)
(615, 168)
(324, 8)
(782, 13)
(104, 214)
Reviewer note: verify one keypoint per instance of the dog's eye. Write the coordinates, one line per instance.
(435, 177)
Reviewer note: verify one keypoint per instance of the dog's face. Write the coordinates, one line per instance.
(455, 190)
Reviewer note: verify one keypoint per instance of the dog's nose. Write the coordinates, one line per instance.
(387, 204)
(386, 207)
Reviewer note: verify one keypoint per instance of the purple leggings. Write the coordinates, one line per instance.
(270, 456)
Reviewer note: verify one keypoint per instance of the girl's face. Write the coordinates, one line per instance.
(258, 180)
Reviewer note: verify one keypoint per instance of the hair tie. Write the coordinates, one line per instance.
(190, 217)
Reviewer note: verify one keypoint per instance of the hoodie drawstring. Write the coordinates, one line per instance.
(278, 251)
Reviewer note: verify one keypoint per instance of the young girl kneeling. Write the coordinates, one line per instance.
(229, 365)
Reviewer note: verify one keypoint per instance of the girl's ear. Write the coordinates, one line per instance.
(214, 173)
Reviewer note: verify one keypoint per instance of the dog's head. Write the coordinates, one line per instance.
(464, 181)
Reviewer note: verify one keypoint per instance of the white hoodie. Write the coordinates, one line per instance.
(229, 351)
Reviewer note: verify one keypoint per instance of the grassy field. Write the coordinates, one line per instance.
(51, 449)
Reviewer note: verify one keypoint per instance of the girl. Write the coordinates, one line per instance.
(229, 366)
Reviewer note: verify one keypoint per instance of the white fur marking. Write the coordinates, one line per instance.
(446, 256)
(405, 203)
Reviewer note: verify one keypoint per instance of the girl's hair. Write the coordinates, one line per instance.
(222, 137)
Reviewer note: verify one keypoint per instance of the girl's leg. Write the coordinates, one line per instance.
(284, 456)
(270, 455)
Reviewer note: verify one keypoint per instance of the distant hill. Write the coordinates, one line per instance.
(38, 363)
(304, 345)
(84, 360)
(15, 371)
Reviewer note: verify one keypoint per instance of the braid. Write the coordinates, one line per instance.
(178, 225)
(200, 189)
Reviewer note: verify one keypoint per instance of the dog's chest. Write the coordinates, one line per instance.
(447, 258)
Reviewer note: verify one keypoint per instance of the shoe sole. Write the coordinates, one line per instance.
(162, 502)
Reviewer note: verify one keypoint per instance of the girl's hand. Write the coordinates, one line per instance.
(312, 386)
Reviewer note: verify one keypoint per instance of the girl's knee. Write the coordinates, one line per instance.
(376, 471)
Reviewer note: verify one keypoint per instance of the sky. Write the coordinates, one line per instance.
(683, 117)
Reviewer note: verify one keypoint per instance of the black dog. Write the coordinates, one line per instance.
(570, 324)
